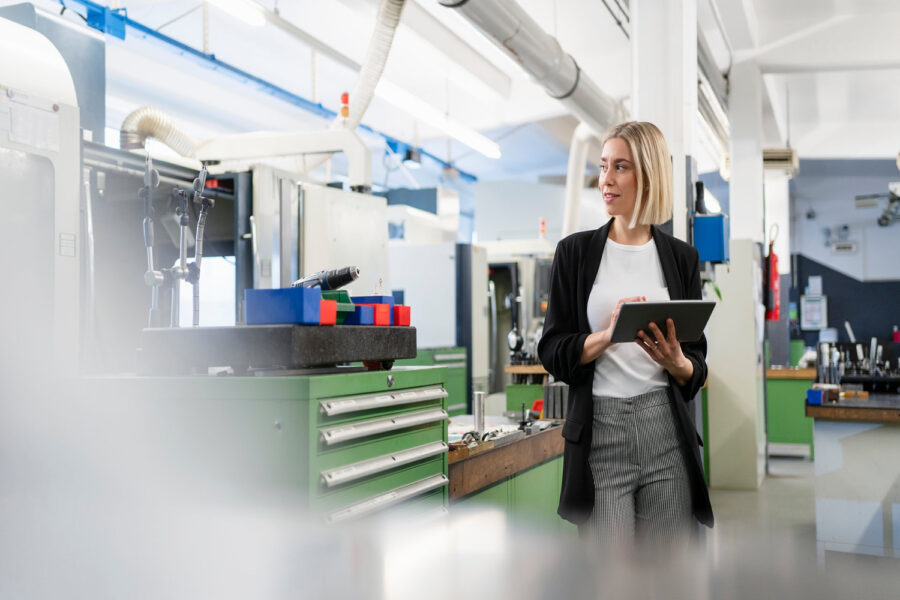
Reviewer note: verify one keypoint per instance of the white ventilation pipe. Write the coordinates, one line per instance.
(506, 24)
(148, 122)
(386, 21)
(582, 139)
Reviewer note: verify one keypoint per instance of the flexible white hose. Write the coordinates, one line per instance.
(151, 122)
(386, 22)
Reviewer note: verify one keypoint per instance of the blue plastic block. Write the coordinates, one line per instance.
(814, 397)
(373, 300)
(711, 238)
(289, 305)
(362, 315)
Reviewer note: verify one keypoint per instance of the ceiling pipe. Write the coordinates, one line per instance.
(510, 28)
(578, 152)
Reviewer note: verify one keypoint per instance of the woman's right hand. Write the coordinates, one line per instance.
(597, 342)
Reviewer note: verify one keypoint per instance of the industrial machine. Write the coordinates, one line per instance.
(78, 257)
(519, 284)
(42, 244)
(450, 304)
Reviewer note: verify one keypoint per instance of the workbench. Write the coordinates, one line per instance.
(522, 478)
(857, 493)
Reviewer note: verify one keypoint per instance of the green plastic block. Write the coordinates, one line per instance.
(345, 306)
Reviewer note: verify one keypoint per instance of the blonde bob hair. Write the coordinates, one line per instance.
(653, 171)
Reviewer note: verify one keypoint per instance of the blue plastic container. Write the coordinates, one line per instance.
(711, 238)
(814, 397)
(288, 305)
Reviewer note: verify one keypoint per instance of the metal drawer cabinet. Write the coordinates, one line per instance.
(374, 448)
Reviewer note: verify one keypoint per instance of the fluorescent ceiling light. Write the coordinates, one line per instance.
(243, 10)
(428, 114)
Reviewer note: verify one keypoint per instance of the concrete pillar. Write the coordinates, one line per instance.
(746, 183)
(664, 86)
(737, 438)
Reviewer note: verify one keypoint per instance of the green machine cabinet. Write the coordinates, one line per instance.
(519, 393)
(341, 445)
(789, 430)
(454, 360)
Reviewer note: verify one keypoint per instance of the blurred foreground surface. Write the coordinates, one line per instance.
(102, 504)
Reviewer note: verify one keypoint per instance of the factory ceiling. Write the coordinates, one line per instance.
(831, 72)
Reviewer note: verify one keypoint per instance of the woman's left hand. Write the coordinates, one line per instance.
(665, 350)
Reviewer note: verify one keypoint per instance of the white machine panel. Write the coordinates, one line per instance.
(345, 228)
(427, 276)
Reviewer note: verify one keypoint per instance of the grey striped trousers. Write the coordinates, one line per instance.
(641, 483)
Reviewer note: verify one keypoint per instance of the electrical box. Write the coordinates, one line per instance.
(711, 237)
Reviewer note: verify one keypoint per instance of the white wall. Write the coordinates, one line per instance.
(513, 210)
(827, 189)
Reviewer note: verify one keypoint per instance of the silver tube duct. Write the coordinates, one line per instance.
(151, 122)
(506, 24)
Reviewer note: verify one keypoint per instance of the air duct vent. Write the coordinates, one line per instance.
(781, 159)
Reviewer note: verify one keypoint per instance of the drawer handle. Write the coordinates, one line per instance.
(379, 464)
(334, 435)
(451, 365)
(375, 503)
(445, 357)
(340, 406)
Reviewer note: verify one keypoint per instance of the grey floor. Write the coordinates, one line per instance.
(784, 506)
(771, 533)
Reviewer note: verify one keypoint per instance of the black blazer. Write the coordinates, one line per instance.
(566, 327)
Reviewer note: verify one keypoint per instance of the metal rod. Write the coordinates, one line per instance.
(616, 19)
(624, 12)
(179, 17)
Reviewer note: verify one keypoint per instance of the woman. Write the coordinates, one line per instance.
(631, 466)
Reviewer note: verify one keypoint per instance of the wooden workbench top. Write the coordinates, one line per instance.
(481, 470)
(879, 408)
(525, 369)
(791, 373)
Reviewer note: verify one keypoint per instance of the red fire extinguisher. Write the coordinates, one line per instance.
(773, 288)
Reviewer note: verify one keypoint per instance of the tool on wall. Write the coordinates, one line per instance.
(891, 212)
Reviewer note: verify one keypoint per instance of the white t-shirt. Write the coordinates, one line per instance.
(625, 370)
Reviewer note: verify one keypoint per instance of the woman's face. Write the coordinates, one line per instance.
(618, 182)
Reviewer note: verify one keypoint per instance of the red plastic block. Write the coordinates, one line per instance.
(382, 313)
(328, 312)
(401, 315)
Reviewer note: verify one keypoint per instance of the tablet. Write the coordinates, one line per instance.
(690, 317)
